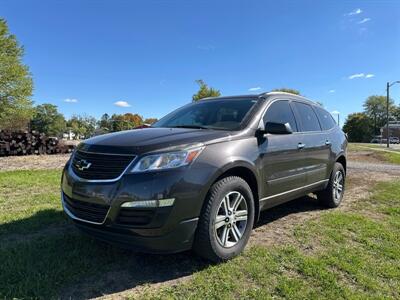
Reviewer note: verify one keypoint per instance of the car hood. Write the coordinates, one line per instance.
(138, 141)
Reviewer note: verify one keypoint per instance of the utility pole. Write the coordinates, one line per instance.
(388, 85)
(387, 114)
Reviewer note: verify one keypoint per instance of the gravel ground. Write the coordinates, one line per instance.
(33, 162)
(367, 166)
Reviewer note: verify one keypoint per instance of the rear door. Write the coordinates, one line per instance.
(314, 142)
(328, 125)
(282, 160)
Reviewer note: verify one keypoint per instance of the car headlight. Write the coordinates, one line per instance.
(166, 160)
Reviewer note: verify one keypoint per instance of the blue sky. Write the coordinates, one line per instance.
(87, 55)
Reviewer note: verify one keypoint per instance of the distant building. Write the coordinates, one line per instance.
(70, 135)
(394, 129)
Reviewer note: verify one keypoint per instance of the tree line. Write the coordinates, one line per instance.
(362, 126)
(48, 120)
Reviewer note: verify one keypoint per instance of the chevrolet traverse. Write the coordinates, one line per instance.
(199, 177)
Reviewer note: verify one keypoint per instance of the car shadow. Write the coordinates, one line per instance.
(118, 269)
(299, 205)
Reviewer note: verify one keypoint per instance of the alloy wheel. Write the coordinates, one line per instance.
(338, 185)
(231, 219)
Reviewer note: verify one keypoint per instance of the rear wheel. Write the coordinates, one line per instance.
(226, 221)
(332, 195)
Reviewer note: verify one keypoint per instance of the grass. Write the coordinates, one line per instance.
(352, 255)
(341, 254)
(363, 146)
(29, 201)
(380, 152)
(393, 158)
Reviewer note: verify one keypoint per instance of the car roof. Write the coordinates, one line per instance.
(264, 96)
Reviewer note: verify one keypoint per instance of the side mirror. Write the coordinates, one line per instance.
(278, 128)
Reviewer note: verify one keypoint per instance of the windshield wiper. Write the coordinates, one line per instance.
(190, 126)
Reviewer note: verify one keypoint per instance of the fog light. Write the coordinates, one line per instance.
(149, 203)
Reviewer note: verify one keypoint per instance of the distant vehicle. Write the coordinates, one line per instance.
(199, 177)
(376, 139)
(394, 140)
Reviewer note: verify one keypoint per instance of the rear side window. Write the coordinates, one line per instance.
(306, 116)
(325, 118)
(280, 112)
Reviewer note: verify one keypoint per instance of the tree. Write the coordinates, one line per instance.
(375, 108)
(105, 122)
(396, 113)
(287, 90)
(150, 120)
(48, 120)
(205, 91)
(359, 127)
(15, 83)
(82, 125)
(126, 121)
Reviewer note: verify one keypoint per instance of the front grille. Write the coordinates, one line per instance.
(134, 216)
(92, 212)
(98, 166)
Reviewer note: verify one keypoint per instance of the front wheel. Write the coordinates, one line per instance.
(226, 220)
(332, 195)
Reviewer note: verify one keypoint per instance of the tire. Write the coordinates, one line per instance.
(332, 195)
(210, 242)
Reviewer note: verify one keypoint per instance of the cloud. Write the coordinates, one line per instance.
(331, 91)
(355, 12)
(122, 104)
(254, 89)
(358, 75)
(361, 75)
(365, 20)
(69, 100)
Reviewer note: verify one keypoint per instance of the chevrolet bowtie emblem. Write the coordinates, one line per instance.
(82, 164)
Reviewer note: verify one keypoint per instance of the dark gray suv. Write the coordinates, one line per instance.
(200, 176)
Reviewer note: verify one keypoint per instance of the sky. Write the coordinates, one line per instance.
(94, 57)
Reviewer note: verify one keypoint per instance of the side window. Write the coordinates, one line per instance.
(280, 112)
(325, 118)
(306, 116)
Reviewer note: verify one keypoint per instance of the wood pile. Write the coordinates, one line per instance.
(33, 142)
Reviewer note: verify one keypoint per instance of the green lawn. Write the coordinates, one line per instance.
(353, 254)
(390, 155)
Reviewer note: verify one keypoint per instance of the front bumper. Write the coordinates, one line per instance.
(180, 239)
(166, 229)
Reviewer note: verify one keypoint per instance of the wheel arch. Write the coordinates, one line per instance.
(342, 160)
(248, 173)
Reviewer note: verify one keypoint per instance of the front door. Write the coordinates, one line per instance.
(282, 155)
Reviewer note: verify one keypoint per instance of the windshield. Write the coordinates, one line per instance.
(209, 114)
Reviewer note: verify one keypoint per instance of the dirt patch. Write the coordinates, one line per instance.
(276, 225)
(366, 156)
(33, 162)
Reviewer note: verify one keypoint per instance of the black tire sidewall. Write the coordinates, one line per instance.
(231, 184)
(337, 167)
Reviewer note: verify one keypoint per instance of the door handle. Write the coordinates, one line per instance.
(300, 146)
(328, 143)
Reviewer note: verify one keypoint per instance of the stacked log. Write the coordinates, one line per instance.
(33, 142)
